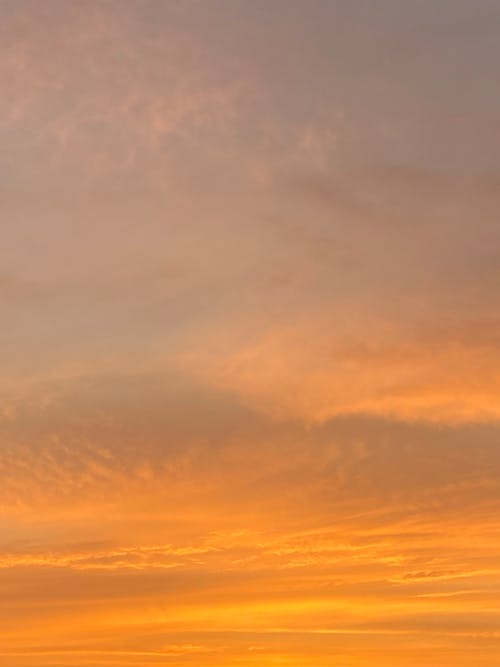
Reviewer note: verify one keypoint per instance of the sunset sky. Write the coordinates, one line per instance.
(250, 333)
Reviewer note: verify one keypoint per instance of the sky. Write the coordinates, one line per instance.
(250, 335)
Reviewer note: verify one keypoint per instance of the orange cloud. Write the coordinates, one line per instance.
(318, 370)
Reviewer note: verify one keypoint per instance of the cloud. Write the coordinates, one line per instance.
(318, 369)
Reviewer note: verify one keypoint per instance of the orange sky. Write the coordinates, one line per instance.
(250, 349)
